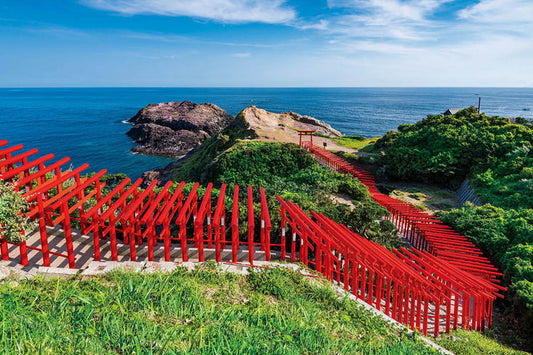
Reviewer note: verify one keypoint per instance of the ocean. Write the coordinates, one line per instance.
(89, 124)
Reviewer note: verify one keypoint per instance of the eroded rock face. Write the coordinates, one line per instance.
(175, 128)
(279, 125)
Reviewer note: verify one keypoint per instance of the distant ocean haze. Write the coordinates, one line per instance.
(88, 124)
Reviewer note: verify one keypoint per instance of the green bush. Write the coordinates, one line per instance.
(13, 208)
(446, 149)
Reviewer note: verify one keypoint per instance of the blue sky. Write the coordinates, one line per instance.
(266, 43)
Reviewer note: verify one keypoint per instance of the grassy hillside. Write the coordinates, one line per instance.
(357, 142)
(199, 312)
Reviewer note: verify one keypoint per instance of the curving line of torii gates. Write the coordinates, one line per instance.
(426, 287)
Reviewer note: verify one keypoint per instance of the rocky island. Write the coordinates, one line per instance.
(175, 128)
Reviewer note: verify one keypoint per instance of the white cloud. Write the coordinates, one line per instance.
(385, 11)
(384, 19)
(227, 11)
(320, 25)
(379, 47)
(507, 11)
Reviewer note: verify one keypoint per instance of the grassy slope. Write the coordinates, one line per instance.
(463, 342)
(276, 312)
(357, 142)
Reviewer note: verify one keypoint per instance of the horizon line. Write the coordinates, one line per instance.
(266, 87)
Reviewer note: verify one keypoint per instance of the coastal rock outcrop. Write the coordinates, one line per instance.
(282, 126)
(175, 128)
(254, 122)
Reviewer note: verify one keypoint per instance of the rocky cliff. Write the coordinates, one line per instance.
(282, 126)
(175, 128)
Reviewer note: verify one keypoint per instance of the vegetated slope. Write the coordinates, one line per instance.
(204, 311)
(498, 158)
(464, 342)
(446, 149)
(287, 170)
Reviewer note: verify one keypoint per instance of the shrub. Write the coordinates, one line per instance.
(13, 208)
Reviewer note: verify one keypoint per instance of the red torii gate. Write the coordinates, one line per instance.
(411, 286)
(305, 133)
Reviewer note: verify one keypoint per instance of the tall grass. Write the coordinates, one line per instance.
(199, 312)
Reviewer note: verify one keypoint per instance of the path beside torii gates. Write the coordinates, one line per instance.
(177, 223)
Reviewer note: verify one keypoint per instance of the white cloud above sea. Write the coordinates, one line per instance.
(226, 11)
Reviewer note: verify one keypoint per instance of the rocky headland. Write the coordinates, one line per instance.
(175, 128)
(179, 128)
(282, 126)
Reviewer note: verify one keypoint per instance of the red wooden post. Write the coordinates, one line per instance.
(68, 236)
(387, 296)
(166, 236)
(235, 225)
(346, 274)
(131, 238)
(370, 287)
(448, 312)
(42, 232)
(268, 223)
(379, 285)
(355, 286)
(23, 254)
(437, 320)
(363, 283)
(3, 249)
(223, 225)
(209, 224)
(199, 222)
(218, 221)
(407, 304)
(418, 311)
(251, 226)
(412, 309)
(426, 309)
(96, 238)
(283, 233)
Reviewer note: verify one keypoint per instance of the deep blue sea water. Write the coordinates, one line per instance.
(86, 124)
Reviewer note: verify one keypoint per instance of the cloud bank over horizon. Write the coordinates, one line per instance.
(268, 43)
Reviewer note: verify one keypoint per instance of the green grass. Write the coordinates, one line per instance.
(199, 312)
(357, 142)
(462, 342)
